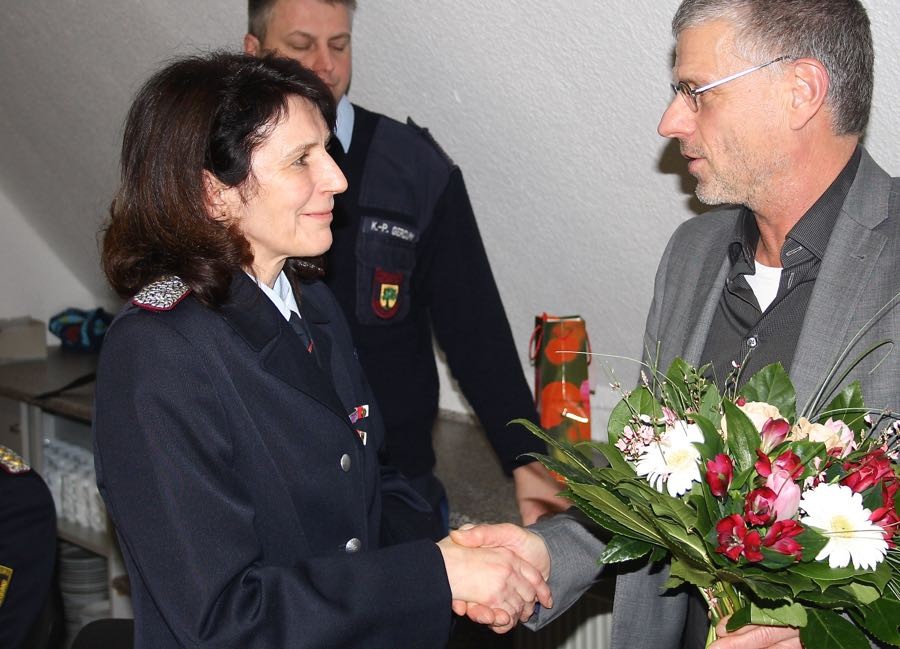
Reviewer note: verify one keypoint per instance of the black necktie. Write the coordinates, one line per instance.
(299, 326)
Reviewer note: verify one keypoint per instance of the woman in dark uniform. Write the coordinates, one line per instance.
(236, 440)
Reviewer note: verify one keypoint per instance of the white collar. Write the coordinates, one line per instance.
(343, 128)
(282, 295)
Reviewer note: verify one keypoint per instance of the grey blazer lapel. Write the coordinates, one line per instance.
(844, 287)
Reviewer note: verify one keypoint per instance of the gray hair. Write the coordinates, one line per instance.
(259, 12)
(834, 32)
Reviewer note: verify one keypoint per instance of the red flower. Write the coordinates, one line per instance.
(773, 433)
(759, 508)
(735, 540)
(872, 469)
(780, 538)
(886, 516)
(787, 461)
(719, 472)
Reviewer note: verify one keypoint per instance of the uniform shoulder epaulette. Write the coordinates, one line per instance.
(162, 295)
(12, 462)
(425, 133)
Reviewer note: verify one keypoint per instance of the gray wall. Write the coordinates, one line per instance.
(549, 106)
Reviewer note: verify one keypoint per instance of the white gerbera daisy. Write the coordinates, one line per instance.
(674, 461)
(838, 513)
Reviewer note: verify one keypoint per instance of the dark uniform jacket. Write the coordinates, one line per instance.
(407, 260)
(27, 548)
(247, 505)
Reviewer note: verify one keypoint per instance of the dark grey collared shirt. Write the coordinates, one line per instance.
(741, 332)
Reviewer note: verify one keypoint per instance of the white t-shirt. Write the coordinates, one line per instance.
(764, 284)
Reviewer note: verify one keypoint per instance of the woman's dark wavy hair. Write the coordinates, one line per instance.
(198, 113)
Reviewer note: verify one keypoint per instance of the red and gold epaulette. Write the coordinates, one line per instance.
(11, 462)
(161, 295)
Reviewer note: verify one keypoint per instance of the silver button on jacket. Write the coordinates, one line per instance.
(345, 462)
(353, 545)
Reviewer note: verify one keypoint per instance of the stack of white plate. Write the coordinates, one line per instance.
(83, 582)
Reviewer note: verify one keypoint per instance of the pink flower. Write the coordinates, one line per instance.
(780, 538)
(773, 433)
(787, 494)
(719, 472)
(735, 540)
(759, 508)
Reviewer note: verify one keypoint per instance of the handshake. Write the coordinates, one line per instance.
(497, 573)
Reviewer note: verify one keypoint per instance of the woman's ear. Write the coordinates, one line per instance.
(217, 197)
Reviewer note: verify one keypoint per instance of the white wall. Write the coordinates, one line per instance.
(549, 106)
(34, 281)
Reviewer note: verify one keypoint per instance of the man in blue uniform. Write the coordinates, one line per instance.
(408, 261)
(27, 549)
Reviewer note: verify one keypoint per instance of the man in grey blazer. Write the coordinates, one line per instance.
(802, 267)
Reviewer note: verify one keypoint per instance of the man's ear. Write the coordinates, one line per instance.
(217, 197)
(809, 91)
(252, 46)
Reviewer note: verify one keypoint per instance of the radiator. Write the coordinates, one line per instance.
(584, 626)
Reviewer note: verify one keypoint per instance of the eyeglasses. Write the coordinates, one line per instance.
(690, 94)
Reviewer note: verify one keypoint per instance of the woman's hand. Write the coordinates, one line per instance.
(504, 585)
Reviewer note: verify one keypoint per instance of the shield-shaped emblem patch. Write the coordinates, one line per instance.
(386, 293)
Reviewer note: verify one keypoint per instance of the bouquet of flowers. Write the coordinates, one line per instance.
(777, 519)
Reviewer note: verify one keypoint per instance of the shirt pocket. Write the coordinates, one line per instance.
(386, 257)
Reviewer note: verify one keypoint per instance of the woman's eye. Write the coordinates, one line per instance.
(301, 161)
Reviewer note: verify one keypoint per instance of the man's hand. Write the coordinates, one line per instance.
(526, 545)
(752, 636)
(500, 584)
(536, 492)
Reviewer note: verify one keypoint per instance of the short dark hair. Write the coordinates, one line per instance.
(199, 113)
(835, 32)
(259, 11)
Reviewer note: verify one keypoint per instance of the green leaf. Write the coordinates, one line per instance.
(612, 454)
(849, 407)
(684, 545)
(824, 575)
(711, 407)
(788, 615)
(562, 468)
(605, 521)
(772, 385)
(567, 453)
(743, 438)
(677, 392)
(712, 444)
(639, 401)
(862, 593)
(686, 572)
(881, 618)
(621, 549)
(659, 553)
(827, 630)
(812, 542)
(834, 597)
(612, 507)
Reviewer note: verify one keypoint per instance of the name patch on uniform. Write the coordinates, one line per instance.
(392, 229)
(386, 293)
(5, 577)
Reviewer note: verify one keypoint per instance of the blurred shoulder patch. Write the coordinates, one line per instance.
(5, 577)
(12, 462)
(162, 295)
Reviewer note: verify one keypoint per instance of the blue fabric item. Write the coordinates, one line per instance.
(80, 330)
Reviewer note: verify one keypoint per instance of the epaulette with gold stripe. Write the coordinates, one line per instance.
(12, 462)
(162, 295)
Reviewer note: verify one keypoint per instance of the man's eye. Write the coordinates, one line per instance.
(301, 161)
